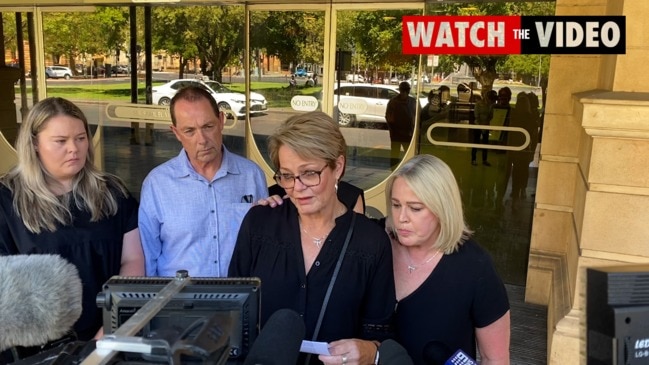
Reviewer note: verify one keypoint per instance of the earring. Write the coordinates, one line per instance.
(336, 186)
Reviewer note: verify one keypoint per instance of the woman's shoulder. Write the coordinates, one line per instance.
(472, 251)
(348, 193)
(371, 229)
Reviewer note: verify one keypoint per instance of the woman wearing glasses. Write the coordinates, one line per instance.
(295, 248)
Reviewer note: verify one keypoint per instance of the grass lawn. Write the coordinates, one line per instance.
(277, 94)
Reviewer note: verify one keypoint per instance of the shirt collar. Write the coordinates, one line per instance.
(228, 165)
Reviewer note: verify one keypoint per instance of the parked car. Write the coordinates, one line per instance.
(119, 69)
(354, 78)
(373, 97)
(57, 72)
(225, 98)
(300, 72)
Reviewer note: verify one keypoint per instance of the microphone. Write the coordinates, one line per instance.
(40, 299)
(279, 341)
(460, 358)
(437, 352)
(391, 353)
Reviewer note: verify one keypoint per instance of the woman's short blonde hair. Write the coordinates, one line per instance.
(433, 182)
(313, 135)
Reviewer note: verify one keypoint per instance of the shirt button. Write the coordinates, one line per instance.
(303, 286)
(216, 261)
(317, 263)
(212, 211)
(214, 237)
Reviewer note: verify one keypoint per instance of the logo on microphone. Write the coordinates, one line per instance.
(500, 35)
(460, 358)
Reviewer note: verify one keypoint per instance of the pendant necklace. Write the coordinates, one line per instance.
(316, 240)
(412, 267)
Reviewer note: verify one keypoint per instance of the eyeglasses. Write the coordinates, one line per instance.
(307, 178)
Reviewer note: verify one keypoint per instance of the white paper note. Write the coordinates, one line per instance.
(318, 348)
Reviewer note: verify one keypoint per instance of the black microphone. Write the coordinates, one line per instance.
(40, 299)
(279, 341)
(391, 353)
(436, 352)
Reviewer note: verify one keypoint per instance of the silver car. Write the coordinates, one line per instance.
(57, 72)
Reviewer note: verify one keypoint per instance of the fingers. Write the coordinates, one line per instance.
(344, 352)
(344, 359)
(273, 201)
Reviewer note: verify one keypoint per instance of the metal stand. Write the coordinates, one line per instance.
(123, 340)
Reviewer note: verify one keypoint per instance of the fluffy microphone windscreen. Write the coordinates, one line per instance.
(391, 353)
(279, 341)
(40, 299)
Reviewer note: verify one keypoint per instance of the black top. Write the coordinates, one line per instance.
(347, 193)
(462, 293)
(363, 299)
(95, 248)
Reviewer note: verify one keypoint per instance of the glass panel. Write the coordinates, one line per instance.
(498, 195)
(87, 59)
(371, 66)
(287, 65)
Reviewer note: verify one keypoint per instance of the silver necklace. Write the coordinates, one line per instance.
(411, 265)
(316, 240)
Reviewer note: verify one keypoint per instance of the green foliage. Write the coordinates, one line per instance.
(375, 36)
(525, 67)
(178, 43)
(9, 31)
(281, 34)
(217, 32)
(113, 26)
(90, 33)
(487, 68)
(312, 50)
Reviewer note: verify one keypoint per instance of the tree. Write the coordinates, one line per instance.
(281, 34)
(378, 36)
(217, 34)
(113, 27)
(70, 36)
(180, 41)
(312, 49)
(485, 68)
(9, 32)
(95, 33)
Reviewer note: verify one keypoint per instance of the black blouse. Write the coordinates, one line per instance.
(363, 299)
(463, 293)
(95, 248)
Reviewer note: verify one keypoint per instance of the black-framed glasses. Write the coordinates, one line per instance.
(307, 178)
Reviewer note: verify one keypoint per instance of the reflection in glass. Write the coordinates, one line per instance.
(499, 203)
(286, 67)
(371, 67)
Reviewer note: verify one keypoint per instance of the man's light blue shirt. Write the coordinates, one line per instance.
(187, 222)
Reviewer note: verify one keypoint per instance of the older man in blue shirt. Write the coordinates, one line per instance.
(192, 205)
